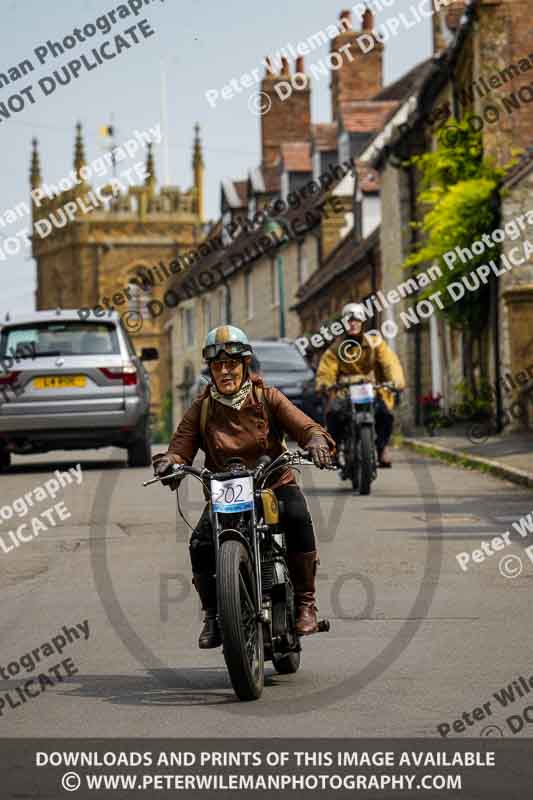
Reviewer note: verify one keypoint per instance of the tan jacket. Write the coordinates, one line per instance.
(245, 433)
(379, 363)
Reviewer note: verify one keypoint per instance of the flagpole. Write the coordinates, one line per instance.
(164, 120)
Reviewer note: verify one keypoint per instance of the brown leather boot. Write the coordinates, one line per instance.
(302, 569)
(206, 587)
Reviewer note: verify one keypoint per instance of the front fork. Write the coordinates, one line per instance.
(217, 530)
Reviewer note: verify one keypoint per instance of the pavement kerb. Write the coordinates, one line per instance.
(463, 459)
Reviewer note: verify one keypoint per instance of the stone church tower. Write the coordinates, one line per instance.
(113, 241)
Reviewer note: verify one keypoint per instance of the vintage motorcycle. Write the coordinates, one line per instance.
(357, 455)
(254, 592)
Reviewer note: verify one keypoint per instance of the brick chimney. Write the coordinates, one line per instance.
(359, 75)
(289, 116)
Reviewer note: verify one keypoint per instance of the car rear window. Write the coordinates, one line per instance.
(62, 338)
(276, 358)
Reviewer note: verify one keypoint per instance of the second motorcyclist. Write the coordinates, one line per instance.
(361, 354)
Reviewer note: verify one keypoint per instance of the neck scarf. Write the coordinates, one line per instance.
(236, 400)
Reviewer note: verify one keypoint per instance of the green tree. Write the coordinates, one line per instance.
(459, 188)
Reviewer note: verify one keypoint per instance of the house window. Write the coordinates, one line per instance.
(187, 326)
(138, 299)
(248, 295)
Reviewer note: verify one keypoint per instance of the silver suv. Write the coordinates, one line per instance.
(68, 384)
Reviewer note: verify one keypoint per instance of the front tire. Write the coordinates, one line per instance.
(242, 633)
(363, 467)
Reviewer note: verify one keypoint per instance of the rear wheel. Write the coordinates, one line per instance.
(283, 619)
(242, 633)
(286, 664)
(140, 451)
(5, 460)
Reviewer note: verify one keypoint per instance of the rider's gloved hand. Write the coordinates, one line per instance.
(162, 464)
(319, 451)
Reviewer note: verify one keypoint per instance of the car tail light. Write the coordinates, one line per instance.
(128, 375)
(8, 378)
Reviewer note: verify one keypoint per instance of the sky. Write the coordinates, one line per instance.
(197, 46)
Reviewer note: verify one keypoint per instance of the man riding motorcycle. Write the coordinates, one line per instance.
(237, 416)
(362, 354)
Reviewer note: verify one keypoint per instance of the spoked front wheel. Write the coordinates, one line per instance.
(363, 466)
(242, 633)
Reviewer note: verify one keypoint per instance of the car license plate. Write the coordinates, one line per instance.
(232, 496)
(60, 382)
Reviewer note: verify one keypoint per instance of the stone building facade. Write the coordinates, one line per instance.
(516, 302)
(295, 153)
(122, 244)
(481, 66)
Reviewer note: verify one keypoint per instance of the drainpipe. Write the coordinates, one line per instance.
(495, 317)
(417, 331)
(281, 289)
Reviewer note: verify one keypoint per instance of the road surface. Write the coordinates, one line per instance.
(415, 642)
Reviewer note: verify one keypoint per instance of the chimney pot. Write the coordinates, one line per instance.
(269, 67)
(300, 64)
(368, 20)
(347, 15)
(285, 66)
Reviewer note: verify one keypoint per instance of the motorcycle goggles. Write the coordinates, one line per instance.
(230, 349)
(353, 318)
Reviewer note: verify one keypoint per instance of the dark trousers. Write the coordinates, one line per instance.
(337, 424)
(294, 518)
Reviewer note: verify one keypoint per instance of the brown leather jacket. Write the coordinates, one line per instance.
(245, 433)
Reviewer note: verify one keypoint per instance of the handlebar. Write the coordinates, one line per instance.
(386, 385)
(264, 465)
(177, 470)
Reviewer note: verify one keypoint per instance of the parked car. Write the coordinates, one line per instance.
(83, 386)
(281, 364)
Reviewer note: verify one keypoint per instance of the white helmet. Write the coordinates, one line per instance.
(354, 309)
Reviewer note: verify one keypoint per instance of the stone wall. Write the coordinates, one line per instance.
(516, 300)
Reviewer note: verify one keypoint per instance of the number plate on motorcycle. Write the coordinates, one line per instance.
(362, 393)
(233, 496)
